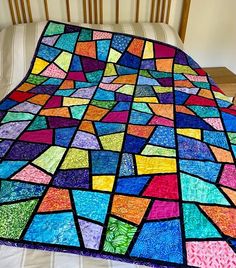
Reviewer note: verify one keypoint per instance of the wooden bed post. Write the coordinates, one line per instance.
(184, 19)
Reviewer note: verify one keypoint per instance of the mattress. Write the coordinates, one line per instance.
(19, 42)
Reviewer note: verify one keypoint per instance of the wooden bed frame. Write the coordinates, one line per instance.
(21, 12)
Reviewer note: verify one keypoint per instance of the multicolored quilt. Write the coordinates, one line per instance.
(120, 147)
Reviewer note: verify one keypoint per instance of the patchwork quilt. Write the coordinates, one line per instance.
(118, 147)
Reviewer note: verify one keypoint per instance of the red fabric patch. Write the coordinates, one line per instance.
(197, 100)
(20, 96)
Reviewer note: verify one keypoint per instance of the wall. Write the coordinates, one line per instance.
(211, 32)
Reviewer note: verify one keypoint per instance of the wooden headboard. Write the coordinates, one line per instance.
(93, 11)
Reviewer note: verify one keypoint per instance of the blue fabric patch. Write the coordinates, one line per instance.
(139, 118)
(108, 128)
(129, 60)
(14, 190)
(230, 122)
(122, 70)
(193, 149)
(160, 241)
(163, 136)
(120, 42)
(103, 47)
(53, 81)
(204, 169)
(63, 136)
(189, 121)
(215, 138)
(100, 160)
(133, 144)
(127, 165)
(91, 205)
(105, 95)
(223, 104)
(67, 41)
(76, 64)
(7, 104)
(7, 168)
(58, 228)
(122, 106)
(180, 97)
(131, 185)
(48, 53)
(142, 80)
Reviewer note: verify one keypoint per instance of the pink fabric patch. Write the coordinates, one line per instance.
(54, 71)
(32, 174)
(228, 176)
(117, 117)
(77, 76)
(162, 51)
(111, 87)
(50, 40)
(54, 102)
(196, 78)
(215, 123)
(210, 254)
(101, 35)
(163, 210)
(42, 136)
(160, 121)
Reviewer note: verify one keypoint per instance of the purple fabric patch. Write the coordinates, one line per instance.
(56, 122)
(12, 130)
(73, 178)
(44, 89)
(85, 140)
(91, 234)
(4, 146)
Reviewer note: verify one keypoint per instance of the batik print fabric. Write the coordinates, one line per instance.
(120, 147)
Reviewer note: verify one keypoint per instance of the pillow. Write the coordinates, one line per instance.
(17, 45)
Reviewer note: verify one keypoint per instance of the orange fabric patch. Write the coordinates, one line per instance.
(231, 194)
(25, 87)
(223, 217)
(67, 84)
(165, 110)
(183, 109)
(140, 131)
(63, 112)
(87, 49)
(221, 154)
(95, 113)
(55, 199)
(136, 47)
(129, 208)
(87, 126)
(205, 93)
(164, 65)
(126, 79)
(183, 83)
(40, 99)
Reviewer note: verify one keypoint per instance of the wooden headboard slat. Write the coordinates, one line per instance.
(68, 10)
(29, 10)
(46, 9)
(18, 12)
(93, 12)
(22, 4)
(101, 11)
(158, 11)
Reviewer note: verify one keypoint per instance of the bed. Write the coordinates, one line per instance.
(17, 44)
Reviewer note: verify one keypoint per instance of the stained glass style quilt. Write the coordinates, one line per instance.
(120, 147)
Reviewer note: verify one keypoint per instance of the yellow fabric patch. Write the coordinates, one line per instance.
(148, 50)
(146, 99)
(126, 89)
(183, 69)
(39, 65)
(74, 101)
(75, 158)
(103, 183)
(112, 142)
(153, 165)
(110, 70)
(189, 132)
(114, 55)
(162, 89)
(220, 96)
(63, 60)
